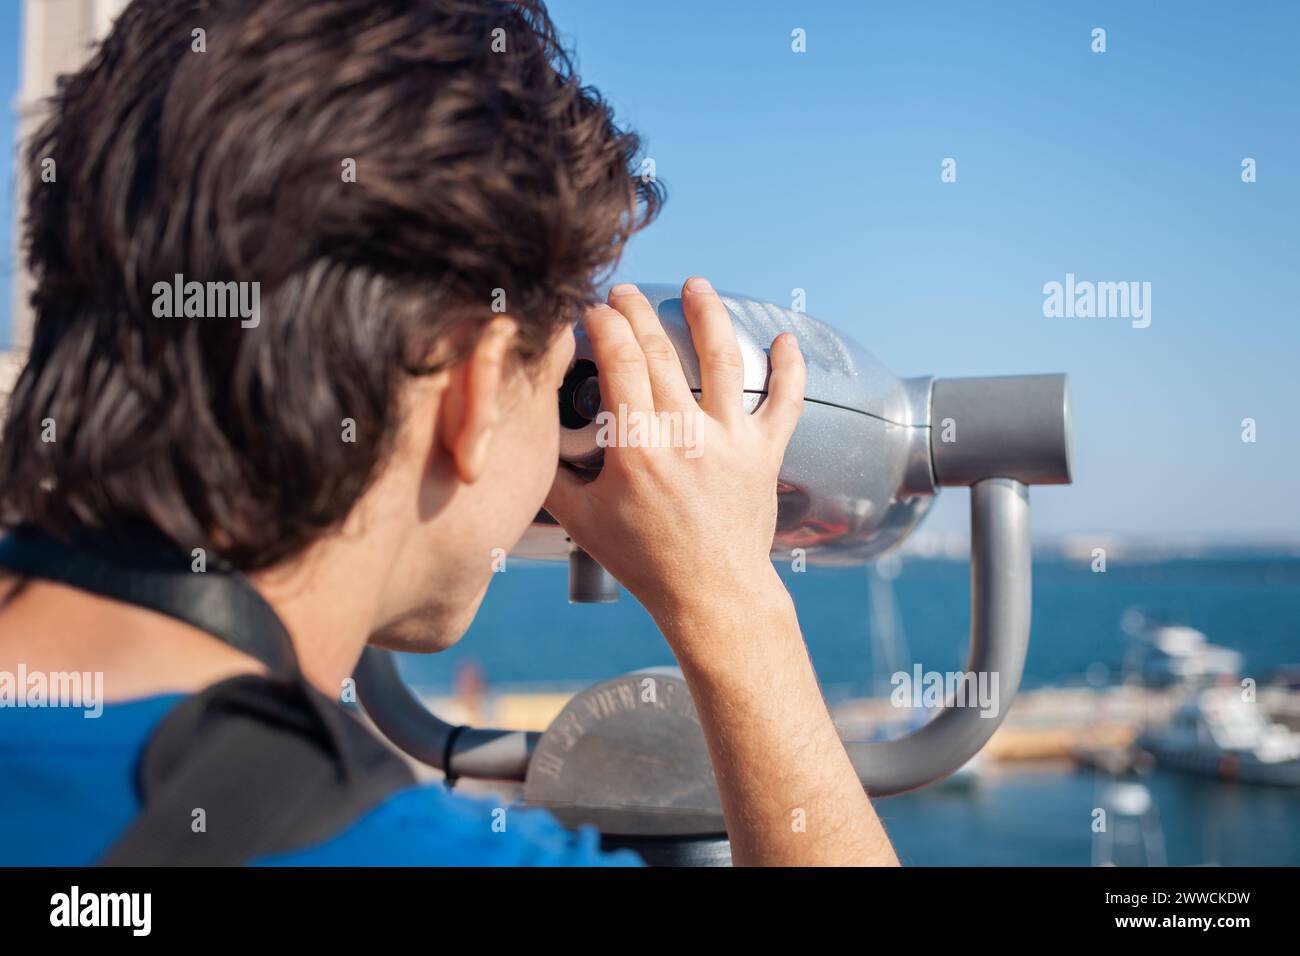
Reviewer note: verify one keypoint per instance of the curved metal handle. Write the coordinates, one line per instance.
(1000, 614)
(1000, 608)
(412, 727)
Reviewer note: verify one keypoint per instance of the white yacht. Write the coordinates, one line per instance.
(1216, 733)
(1167, 655)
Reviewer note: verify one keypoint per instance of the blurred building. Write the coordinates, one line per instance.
(57, 38)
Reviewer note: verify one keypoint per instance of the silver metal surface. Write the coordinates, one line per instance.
(629, 757)
(1014, 426)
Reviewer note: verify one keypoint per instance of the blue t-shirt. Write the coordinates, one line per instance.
(67, 790)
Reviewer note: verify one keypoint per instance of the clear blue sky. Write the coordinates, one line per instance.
(821, 171)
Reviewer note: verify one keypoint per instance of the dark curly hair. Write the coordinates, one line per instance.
(210, 139)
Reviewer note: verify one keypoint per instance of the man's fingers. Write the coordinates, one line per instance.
(667, 380)
(722, 369)
(624, 374)
(783, 405)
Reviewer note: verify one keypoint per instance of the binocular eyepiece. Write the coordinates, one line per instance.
(580, 395)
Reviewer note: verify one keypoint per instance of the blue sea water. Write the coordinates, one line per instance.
(1028, 816)
(527, 633)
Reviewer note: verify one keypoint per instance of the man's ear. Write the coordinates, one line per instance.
(472, 406)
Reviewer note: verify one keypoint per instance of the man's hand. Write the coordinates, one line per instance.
(690, 535)
(675, 525)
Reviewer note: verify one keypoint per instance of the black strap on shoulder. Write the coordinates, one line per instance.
(148, 571)
(250, 767)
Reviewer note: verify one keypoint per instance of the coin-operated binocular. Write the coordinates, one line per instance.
(869, 455)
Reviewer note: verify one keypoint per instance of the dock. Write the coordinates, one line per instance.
(1080, 723)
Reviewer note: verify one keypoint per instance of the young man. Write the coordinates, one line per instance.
(411, 198)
